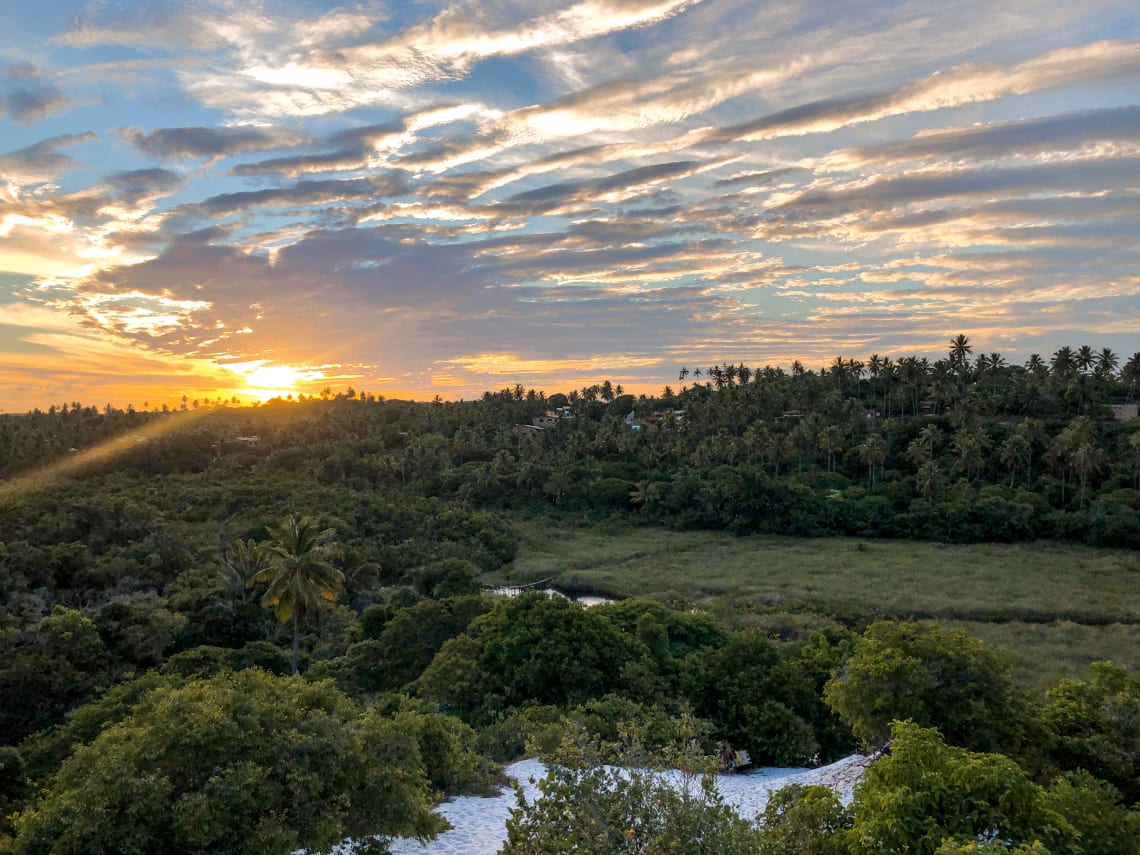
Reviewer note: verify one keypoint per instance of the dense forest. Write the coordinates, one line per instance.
(257, 629)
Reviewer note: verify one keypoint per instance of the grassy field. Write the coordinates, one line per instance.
(1052, 608)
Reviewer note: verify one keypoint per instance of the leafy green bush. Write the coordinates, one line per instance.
(242, 762)
(933, 677)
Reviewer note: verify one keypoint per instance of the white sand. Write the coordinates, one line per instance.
(480, 823)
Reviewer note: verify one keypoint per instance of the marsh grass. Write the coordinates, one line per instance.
(1053, 608)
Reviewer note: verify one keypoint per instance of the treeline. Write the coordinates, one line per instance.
(954, 450)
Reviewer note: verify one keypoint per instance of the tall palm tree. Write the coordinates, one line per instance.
(302, 575)
(1130, 374)
(1063, 360)
(242, 562)
(1107, 361)
(873, 451)
(960, 350)
(1085, 358)
(831, 440)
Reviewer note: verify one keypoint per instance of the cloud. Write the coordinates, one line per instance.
(41, 161)
(26, 97)
(303, 193)
(965, 84)
(279, 72)
(211, 143)
(881, 193)
(1022, 138)
(369, 146)
(573, 195)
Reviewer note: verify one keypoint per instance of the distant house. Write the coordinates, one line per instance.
(248, 440)
(632, 421)
(544, 421)
(1124, 412)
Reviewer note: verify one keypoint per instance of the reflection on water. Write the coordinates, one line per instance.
(515, 590)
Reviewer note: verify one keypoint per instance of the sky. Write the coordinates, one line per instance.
(231, 198)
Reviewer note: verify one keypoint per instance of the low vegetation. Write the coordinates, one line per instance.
(256, 630)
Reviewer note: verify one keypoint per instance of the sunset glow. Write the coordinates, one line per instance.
(226, 199)
(271, 381)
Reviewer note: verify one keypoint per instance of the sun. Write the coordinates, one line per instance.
(271, 381)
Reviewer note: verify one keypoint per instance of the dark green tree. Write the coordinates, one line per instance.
(301, 576)
(241, 763)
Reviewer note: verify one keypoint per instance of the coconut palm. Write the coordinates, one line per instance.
(1085, 358)
(1015, 454)
(301, 576)
(242, 562)
(960, 350)
(873, 452)
(1063, 361)
(831, 440)
(1130, 374)
(1107, 361)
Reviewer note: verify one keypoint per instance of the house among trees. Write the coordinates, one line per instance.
(1124, 412)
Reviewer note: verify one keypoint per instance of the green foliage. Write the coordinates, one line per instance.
(406, 645)
(1094, 811)
(1095, 726)
(301, 576)
(801, 820)
(933, 677)
(206, 660)
(451, 577)
(240, 763)
(613, 722)
(989, 847)
(138, 630)
(537, 730)
(925, 793)
(46, 750)
(589, 808)
(48, 671)
(529, 650)
(757, 698)
(447, 751)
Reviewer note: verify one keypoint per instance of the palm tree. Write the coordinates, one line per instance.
(960, 350)
(928, 478)
(1085, 358)
(1107, 361)
(1015, 453)
(301, 576)
(1035, 364)
(1130, 374)
(831, 440)
(242, 562)
(970, 446)
(1087, 460)
(1063, 360)
(1134, 454)
(930, 436)
(873, 451)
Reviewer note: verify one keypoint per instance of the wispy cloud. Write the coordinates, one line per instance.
(211, 143)
(26, 97)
